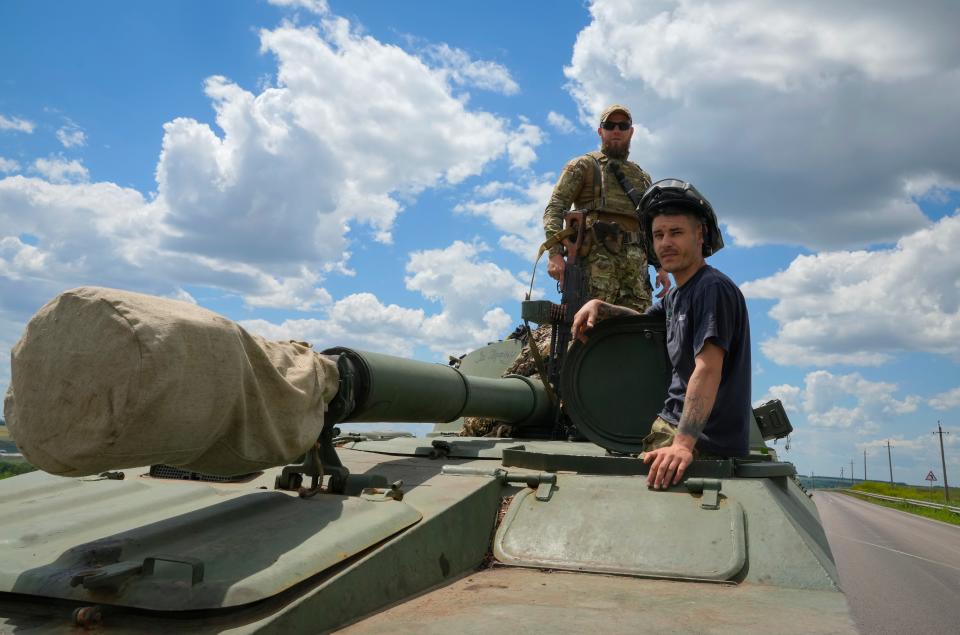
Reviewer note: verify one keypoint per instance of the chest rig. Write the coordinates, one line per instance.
(606, 229)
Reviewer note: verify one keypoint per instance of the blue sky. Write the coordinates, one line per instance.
(373, 174)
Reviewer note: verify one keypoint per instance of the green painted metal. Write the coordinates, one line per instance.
(453, 447)
(167, 546)
(244, 558)
(659, 534)
(489, 361)
(392, 389)
(614, 403)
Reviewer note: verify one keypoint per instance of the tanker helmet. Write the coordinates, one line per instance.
(674, 194)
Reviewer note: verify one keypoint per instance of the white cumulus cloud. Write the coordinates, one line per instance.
(843, 401)
(522, 146)
(71, 136)
(946, 400)
(9, 165)
(468, 290)
(805, 123)
(293, 173)
(16, 124)
(516, 210)
(358, 320)
(464, 70)
(269, 201)
(863, 307)
(560, 123)
(61, 170)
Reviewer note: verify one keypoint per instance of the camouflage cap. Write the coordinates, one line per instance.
(615, 108)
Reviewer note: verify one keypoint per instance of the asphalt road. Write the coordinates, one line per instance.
(900, 572)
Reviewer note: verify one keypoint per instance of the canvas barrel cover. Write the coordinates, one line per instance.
(105, 379)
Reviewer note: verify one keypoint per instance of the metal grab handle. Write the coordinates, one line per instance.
(710, 487)
(196, 566)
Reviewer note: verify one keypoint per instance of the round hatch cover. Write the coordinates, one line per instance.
(614, 385)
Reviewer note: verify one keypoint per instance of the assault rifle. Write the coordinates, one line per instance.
(573, 295)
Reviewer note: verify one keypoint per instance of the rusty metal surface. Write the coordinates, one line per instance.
(511, 600)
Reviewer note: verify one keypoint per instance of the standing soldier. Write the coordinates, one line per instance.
(614, 252)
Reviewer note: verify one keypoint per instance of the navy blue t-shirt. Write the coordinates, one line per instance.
(709, 306)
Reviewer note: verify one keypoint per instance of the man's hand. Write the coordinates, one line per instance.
(594, 311)
(555, 267)
(669, 463)
(586, 318)
(663, 283)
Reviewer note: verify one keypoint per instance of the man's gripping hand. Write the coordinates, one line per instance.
(585, 319)
(667, 465)
(555, 266)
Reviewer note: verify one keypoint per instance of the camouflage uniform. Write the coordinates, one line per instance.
(619, 278)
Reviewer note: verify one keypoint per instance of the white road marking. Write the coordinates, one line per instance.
(903, 553)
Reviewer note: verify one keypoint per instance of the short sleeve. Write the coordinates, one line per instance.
(716, 309)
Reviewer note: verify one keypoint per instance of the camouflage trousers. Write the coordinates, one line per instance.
(661, 436)
(621, 278)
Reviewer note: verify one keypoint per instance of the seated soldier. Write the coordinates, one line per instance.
(707, 409)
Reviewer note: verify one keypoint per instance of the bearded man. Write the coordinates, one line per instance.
(614, 252)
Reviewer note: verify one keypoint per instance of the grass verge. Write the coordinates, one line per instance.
(909, 492)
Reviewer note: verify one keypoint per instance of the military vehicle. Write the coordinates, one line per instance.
(384, 532)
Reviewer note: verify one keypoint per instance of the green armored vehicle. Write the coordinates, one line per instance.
(383, 532)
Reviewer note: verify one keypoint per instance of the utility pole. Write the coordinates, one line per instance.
(852, 482)
(841, 474)
(889, 461)
(943, 462)
(864, 465)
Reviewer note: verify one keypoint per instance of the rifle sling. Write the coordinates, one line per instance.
(631, 193)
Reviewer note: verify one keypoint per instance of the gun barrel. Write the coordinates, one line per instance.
(381, 388)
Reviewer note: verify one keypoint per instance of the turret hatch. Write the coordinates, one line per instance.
(610, 524)
(178, 546)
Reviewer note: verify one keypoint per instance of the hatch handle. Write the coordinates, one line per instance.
(543, 482)
(107, 576)
(196, 566)
(709, 487)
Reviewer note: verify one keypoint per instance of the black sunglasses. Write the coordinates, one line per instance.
(610, 125)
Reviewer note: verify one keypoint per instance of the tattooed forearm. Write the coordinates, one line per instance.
(694, 417)
(612, 310)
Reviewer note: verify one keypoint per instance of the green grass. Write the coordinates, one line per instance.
(933, 494)
(916, 493)
(9, 468)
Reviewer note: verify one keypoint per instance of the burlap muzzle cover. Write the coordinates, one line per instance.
(105, 379)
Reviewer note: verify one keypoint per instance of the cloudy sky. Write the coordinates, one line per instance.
(373, 175)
